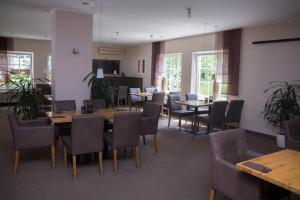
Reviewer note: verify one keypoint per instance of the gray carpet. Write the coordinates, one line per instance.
(180, 170)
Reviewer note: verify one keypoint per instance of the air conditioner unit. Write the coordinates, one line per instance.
(108, 50)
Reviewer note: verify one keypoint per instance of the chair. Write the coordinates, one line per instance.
(216, 115)
(292, 134)
(150, 90)
(174, 93)
(228, 148)
(122, 94)
(125, 134)
(149, 122)
(233, 114)
(59, 106)
(93, 104)
(31, 134)
(86, 137)
(175, 110)
(159, 98)
(190, 96)
(63, 105)
(135, 99)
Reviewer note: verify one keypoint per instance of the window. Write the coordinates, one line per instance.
(204, 75)
(172, 72)
(49, 68)
(19, 63)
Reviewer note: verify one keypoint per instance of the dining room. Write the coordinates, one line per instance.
(100, 99)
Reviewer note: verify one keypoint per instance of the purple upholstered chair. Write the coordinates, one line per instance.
(292, 134)
(135, 100)
(125, 134)
(122, 94)
(31, 134)
(233, 114)
(86, 137)
(90, 105)
(228, 148)
(149, 122)
(63, 105)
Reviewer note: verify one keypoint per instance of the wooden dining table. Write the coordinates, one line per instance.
(142, 94)
(66, 116)
(284, 166)
(196, 104)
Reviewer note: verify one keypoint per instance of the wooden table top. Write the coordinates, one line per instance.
(66, 116)
(142, 94)
(193, 103)
(285, 167)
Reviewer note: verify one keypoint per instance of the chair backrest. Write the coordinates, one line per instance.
(87, 133)
(190, 96)
(93, 104)
(14, 124)
(63, 105)
(174, 93)
(150, 90)
(217, 113)
(126, 129)
(292, 134)
(151, 110)
(133, 97)
(158, 98)
(122, 92)
(234, 111)
(171, 105)
(229, 145)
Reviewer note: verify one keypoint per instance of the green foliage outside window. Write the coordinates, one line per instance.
(173, 72)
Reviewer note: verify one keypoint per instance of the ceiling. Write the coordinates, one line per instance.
(139, 21)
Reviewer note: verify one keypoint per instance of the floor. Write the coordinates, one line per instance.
(180, 170)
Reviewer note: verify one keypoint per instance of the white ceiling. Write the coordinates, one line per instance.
(136, 20)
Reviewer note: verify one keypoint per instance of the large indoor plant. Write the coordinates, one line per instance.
(282, 104)
(24, 96)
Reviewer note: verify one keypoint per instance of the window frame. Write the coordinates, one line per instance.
(180, 67)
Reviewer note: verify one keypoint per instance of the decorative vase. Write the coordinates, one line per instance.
(280, 139)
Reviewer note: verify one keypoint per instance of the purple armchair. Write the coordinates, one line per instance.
(31, 134)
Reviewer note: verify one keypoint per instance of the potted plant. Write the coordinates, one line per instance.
(282, 104)
(23, 94)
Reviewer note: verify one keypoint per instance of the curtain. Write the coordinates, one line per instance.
(6, 44)
(157, 67)
(228, 60)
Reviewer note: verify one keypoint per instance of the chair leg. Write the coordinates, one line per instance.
(100, 163)
(169, 121)
(53, 156)
(137, 157)
(179, 124)
(65, 156)
(144, 140)
(16, 164)
(115, 159)
(155, 142)
(212, 194)
(74, 167)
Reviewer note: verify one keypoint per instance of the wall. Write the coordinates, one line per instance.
(41, 50)
(71, 30)
(263, 63)
(130, 62)
(187, 46)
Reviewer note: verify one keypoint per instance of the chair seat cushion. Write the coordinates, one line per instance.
(183, 112)
(203, 118)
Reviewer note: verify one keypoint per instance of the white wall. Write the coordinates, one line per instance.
(71, 30)
(129, 65)
(262, 63)
(187, 46)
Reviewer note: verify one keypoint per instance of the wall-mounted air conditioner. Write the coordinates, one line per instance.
(109, 50)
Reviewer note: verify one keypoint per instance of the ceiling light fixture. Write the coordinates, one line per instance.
(151, 36)
(189, 12)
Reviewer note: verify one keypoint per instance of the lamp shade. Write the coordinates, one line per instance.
(100, 73)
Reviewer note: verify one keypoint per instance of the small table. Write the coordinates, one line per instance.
(195, 104)
(142, 94)
(285, 167)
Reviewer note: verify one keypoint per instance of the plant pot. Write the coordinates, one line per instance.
(280, 139)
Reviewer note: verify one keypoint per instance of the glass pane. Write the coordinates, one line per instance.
(173, 72)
